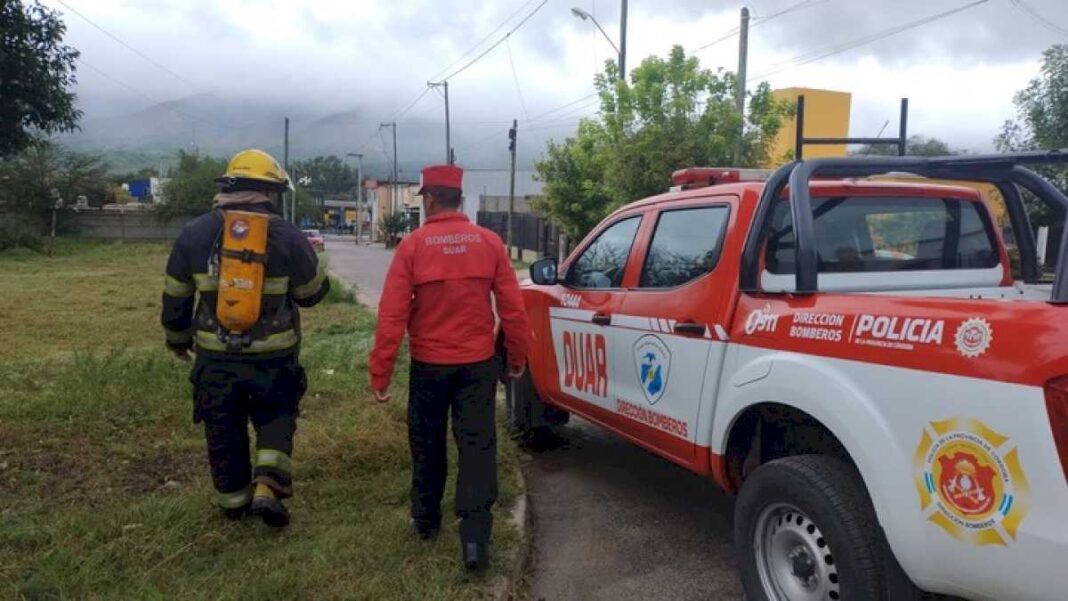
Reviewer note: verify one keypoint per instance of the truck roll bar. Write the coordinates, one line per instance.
(1007, 172)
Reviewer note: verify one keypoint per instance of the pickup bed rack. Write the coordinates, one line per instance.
(1007, 172)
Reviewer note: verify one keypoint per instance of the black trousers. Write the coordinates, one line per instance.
(468, 393)
(226, 396)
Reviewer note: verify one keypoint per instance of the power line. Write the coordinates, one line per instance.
(1038, 17)
(411, 105)
(515, 77)
(733, 32)
(129, 47)
(482, 41)
(817, 55)
(437, 76)
(497, 43)
(730, 34)
(562, 107)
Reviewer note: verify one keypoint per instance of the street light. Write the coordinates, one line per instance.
(621, 53)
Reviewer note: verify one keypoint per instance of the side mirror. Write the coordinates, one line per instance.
(543, 272)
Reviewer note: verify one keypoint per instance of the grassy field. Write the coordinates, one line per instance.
(104, 489)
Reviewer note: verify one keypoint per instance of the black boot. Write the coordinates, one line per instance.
(476, 556)
(427, 531)
(236, 513)
(273, 512)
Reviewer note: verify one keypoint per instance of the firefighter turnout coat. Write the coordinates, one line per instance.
(294, 277)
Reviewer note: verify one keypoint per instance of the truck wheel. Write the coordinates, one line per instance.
(805, 530)
(529, 419)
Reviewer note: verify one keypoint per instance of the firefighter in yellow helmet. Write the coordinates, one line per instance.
(235, 279)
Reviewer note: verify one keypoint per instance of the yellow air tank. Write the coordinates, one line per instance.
(241, 270)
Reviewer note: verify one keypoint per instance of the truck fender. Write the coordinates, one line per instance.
(830, 395)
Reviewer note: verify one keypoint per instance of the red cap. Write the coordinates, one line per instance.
(445, 176)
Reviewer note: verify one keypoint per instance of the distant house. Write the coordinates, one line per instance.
(484, 190)
(140, 189)
(381, 201)
(487, 190)
(149, 189)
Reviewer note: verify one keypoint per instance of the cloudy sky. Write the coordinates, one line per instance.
(372, 58)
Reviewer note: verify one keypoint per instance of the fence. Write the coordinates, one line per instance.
(529, 232)
(122, 225)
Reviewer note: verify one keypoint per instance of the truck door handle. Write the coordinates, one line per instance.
(691, 328)
(601, 319)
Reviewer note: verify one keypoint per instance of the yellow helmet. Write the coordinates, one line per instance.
(255, 165)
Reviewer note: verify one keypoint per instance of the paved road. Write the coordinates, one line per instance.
(365, 266)
(612, 521)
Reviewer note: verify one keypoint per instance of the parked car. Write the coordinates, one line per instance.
(856, 359)
(316, 239)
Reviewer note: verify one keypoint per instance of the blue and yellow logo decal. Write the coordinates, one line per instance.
(653, 361)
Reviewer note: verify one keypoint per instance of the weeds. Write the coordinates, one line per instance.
(104, 488)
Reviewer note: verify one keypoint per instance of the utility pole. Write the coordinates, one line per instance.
(623, 41)
(285, 166)
(739, 91)
(448, 142)
(359, 198)
(393, 194)
(359, 195)
(511, 187)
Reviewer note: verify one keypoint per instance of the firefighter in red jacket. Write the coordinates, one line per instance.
(439, 289)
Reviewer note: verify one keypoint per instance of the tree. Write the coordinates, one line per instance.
(575, 192)
(671, 114)
(328, 175)
(191, 188)
(914, 146)
(36, 70)
(44, 173)
(1042, 124)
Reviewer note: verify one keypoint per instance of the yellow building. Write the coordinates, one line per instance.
(826, 116)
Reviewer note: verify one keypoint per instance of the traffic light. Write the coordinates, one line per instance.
(511, 139)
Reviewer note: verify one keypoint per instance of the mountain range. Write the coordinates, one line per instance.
(211, 125)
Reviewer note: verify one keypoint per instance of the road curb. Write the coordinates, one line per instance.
(507, 587)
(361, 298)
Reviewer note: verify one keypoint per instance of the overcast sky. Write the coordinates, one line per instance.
(373, 57)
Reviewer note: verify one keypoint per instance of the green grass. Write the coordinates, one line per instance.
(104, 487)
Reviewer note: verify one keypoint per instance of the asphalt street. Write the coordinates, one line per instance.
(612, 521)
(364, 265)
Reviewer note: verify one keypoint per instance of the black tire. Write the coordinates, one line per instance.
(818, 536)
(526, 415)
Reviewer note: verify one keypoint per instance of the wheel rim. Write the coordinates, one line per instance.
(793, 559)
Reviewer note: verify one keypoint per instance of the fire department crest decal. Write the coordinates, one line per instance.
(973, 337)
(653, 360)
(239, 229)
(971, 482)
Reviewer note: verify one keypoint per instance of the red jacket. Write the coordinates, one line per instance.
(438, 288)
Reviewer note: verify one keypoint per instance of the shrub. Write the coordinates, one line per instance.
(393, 226)
(17, 232)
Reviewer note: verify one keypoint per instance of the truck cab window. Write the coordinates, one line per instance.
(685, 246)
(888, 234)
(603, 262)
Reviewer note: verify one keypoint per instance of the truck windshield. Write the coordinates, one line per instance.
(867, 234)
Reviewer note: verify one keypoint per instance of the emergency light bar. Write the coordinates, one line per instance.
(699, 177)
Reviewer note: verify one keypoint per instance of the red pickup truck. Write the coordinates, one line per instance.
(858, 359)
